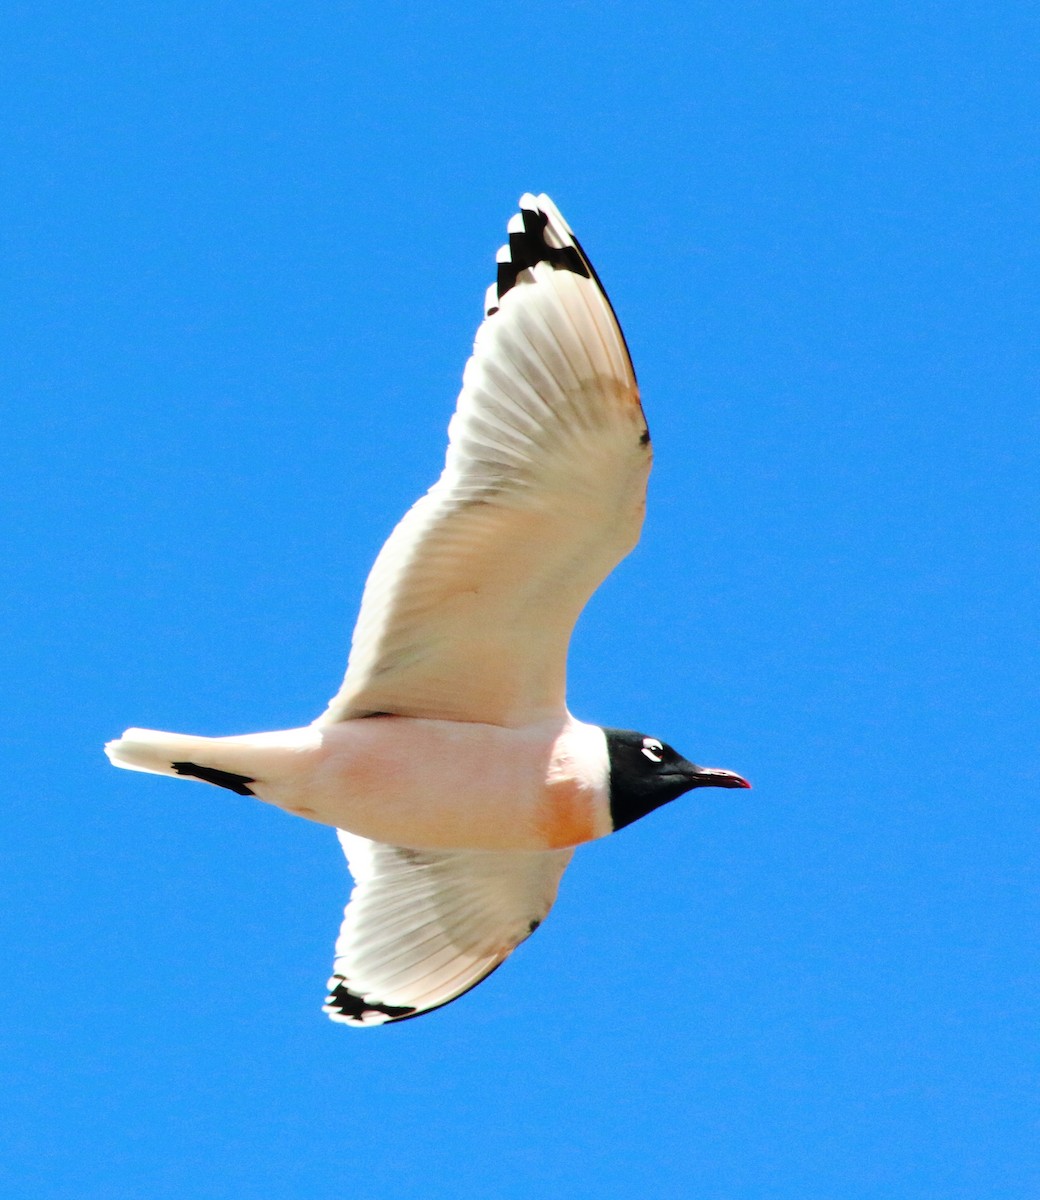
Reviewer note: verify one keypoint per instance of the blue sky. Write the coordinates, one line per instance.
(245, 248)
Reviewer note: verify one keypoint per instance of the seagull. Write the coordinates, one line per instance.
(448, 762)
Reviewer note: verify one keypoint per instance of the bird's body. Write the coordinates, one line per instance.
(430, 785)
(448, 759)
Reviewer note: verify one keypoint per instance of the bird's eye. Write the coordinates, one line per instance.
(653, 750)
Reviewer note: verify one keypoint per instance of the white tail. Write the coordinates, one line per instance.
(154, 751)
(230, 762)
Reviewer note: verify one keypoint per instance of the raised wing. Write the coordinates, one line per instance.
(422, 927)
(469, 608)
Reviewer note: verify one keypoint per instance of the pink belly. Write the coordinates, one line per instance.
(444, 785)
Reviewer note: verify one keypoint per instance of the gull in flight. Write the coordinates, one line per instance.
(448, 761)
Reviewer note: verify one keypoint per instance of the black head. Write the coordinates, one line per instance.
(645, 773)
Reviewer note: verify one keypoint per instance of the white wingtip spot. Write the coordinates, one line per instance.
(553, 239)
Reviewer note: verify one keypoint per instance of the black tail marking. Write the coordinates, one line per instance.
(239, 784)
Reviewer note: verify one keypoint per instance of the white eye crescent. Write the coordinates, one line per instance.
(653, 750)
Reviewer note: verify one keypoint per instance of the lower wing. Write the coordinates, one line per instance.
(423, 926)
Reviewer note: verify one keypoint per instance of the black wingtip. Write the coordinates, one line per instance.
(529, 245)
(348, 1005)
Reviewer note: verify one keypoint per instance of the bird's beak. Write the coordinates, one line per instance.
(715, 777)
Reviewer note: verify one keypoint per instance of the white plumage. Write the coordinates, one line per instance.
(422, 927)
(542, 495)
(448, 753)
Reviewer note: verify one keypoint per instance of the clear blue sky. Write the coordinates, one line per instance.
(244, 252)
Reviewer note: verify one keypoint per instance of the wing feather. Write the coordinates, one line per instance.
(470, 605)
(422, 927)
